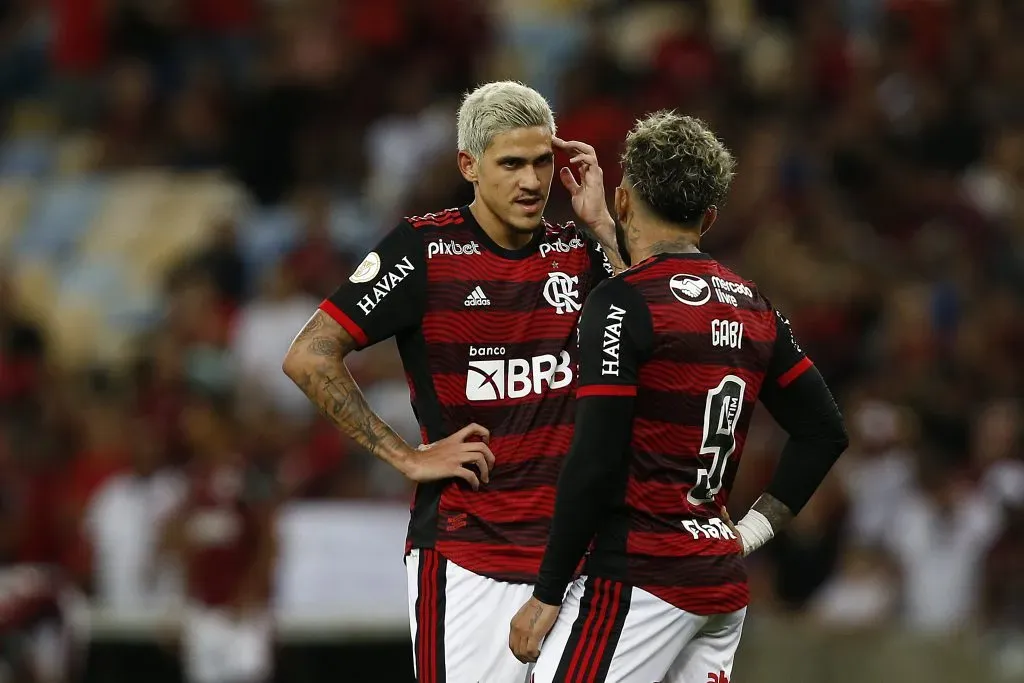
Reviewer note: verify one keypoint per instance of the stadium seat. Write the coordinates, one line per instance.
(95, 312)
(76, 155)
(30, 156)
(15, 199)
(35, 287)
(183, 222)
(60, 216)
(266, 234)
(125, 221)
(75, 328)
(641, 27)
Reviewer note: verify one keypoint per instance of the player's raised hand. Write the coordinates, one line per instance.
(452, 456)
(588, 197)
(529, 627)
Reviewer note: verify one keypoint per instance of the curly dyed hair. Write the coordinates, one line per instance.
(677, 166)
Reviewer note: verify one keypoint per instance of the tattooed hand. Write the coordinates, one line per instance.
(450, 457)
(529, 627)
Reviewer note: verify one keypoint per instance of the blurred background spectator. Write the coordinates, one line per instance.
(181, 181)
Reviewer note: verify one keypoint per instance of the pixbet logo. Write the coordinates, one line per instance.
(492, 380)
(560, 247)
(443, 248)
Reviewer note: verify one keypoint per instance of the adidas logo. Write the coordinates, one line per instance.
(477, 298)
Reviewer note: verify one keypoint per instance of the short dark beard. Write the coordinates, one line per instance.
(620, 244)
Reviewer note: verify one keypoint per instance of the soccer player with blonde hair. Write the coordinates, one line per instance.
(483, 301)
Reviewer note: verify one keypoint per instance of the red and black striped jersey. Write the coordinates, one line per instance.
(694, 343)
(486, 335)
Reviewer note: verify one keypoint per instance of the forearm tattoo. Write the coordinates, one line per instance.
(329, 385)
(777, 514)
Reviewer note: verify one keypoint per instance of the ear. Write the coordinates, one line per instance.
(467, 166)
(622, 204)
(710, 216)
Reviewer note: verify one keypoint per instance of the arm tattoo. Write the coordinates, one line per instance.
(777, 514)
(325, 346)
(327, 382)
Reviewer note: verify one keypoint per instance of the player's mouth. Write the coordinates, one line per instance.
(531, 205)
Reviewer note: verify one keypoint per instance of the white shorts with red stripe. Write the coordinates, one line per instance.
(460, 622)
(611, 632)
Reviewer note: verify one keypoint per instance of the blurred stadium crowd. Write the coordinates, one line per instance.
(182, 180)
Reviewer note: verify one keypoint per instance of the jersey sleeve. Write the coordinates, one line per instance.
(797, 396)
(385, 294)
(615, 335)
(788, 360)
(600, 266)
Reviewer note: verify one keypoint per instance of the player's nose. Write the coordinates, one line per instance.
(529, 180)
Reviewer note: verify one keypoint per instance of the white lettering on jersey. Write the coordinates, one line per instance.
(386, 285)
(734, 287)
(448, 248)
(560, 247)
(604, 259)
(792, 337)
(486, 351)
(612, 336)
(493, 380)
(727, 333)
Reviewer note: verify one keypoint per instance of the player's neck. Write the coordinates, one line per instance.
(503, 235)
(654, 239)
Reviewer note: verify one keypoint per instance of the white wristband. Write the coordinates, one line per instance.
(755, 530)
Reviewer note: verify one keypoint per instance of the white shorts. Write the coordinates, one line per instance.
(216, 648)
(460, 622)
(610, 632)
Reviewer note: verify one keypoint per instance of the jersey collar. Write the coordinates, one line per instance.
(512, 254)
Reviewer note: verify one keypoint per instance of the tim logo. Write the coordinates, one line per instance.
(719, 677)
(561, 292)
(492, 380)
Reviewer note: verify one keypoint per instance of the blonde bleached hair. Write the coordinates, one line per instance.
(677, 166)
(496, 108)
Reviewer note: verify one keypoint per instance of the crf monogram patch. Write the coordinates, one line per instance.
(719, 677)
(561, 292)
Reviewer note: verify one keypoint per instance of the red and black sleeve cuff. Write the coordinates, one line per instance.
(789, 376)
(346, 322)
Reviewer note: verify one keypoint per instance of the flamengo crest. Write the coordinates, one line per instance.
(561, 292)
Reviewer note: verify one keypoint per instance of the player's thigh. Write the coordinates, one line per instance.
(460, 623)
(499, 602)
(709, 656)
(611, 632)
